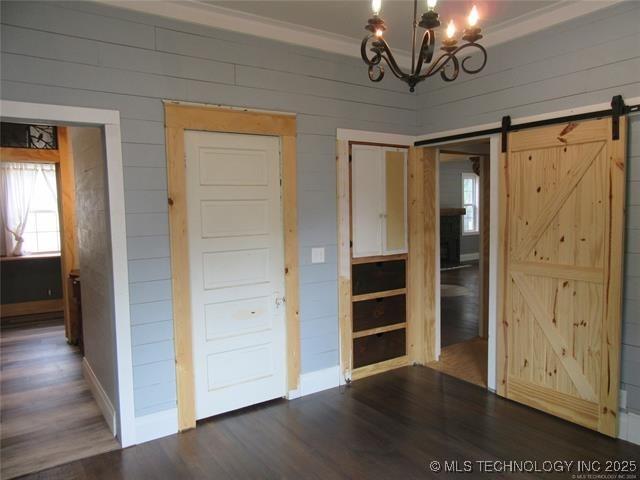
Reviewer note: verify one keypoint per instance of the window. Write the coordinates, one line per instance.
(471, 202)
(30, 209)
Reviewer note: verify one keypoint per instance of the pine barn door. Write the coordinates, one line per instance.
(561, 246)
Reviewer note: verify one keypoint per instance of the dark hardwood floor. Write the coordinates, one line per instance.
(460, 313)
(48, 414)
(388, 426)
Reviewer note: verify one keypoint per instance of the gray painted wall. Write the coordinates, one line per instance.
(93, 55)
(30, 279)
(94, 255)
(97, 56)
(451, 197)
(581, 62)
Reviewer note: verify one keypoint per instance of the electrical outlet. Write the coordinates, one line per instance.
(317, 255)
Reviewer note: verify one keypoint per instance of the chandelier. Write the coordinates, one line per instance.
(447, 64)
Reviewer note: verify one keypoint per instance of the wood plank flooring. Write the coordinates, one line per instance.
(465, 360)
(388, 426)
(460, 314)
(48, 414)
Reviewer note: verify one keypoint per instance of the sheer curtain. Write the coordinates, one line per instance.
(17, 188)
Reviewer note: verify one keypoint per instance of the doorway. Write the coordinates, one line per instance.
(58, 367)
(463, 199)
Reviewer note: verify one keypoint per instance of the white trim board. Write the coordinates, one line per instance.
(518, 120)
(629, 427)
(215, 16)
(109, 121)
(156, 425)
(100, 396)
(374, 137)
(317, 381)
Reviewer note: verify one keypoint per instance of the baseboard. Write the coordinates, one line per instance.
(100, 396)
(468, 257)
(156, 425)
(317, 381)
(629, 427)
(31, 308)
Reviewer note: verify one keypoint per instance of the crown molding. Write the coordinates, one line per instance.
(193, 11)
(541, 19)
(200, 13)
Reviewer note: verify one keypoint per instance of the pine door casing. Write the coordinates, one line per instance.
(561, 235)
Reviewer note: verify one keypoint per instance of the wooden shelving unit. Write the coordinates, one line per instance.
(379, 328)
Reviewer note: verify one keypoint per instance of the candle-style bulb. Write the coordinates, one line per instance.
(379, 33)
(376, 5)
(473, 17)
(431, 4)
(451, 29)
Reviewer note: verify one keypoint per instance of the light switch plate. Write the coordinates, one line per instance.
(317, 255)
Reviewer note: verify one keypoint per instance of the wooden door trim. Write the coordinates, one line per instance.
(179, 118)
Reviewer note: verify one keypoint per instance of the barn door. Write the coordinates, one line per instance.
(562, 212)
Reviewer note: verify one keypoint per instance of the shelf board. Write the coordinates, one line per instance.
(374, 295)
(379, 258)
(375, 331)
(380, 367)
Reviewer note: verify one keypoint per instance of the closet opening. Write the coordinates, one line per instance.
(463, 189)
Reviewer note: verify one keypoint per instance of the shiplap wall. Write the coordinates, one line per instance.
(450, 188)
(94, 255)
(85, 54)
(581, 62)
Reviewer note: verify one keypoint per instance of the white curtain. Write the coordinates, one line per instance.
(17, 187)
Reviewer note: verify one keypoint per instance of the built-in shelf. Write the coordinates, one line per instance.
(375, 331)
(374, 295)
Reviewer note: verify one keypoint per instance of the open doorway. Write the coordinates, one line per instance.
(57, 330)
(464, 186)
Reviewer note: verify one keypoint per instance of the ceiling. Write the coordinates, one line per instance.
(338, 26)
(348, 18)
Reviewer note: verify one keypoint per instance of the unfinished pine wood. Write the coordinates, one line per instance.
(344, 256)
(615, 164)
(562, 207)
(380, 367)
(485, 241)
(431, 248)
(377, 330)
(218, 119)
(382, 294)
(180, 278)
(396, 235)
(291, 270)
(49, 416)
(379, 258)
(179, 118)
(415, 258)
(68, 231)
(31, 155)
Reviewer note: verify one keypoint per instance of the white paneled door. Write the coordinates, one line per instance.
(236, 254)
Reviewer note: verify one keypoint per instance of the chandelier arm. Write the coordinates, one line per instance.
(375, 59)
(395, 69)
(426, 50)
(438, 65)
(391, 61)
(464, 60)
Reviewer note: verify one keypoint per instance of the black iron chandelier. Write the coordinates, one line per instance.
(447, 64)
